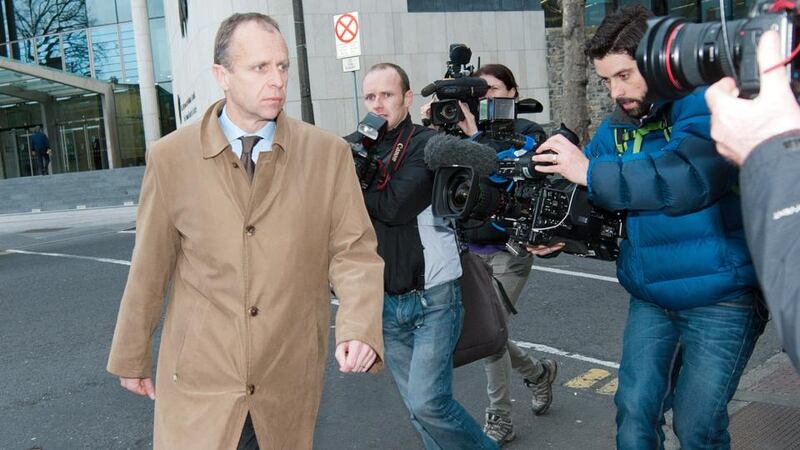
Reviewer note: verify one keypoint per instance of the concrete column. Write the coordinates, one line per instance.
(110, 122)
(144, 59)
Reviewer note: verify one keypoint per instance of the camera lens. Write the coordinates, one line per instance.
(450, 112)
(458, 193)
(675, 56)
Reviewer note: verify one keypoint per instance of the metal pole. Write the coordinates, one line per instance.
(306, 107)
(355, 96)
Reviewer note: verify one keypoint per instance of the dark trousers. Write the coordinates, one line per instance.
(248, 439)
(42, 161)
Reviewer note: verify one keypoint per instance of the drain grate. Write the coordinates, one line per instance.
(761, 426)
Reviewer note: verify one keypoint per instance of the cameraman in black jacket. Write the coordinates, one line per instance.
(422, 312)
(488, 240)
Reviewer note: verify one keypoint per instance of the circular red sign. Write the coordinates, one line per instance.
(346, 28)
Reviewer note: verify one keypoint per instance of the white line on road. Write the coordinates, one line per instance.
(62, 255)
(555, 351)
(530, 345)
(576, 274)
(127, 232)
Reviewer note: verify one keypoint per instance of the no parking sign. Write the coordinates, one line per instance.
(346, 33)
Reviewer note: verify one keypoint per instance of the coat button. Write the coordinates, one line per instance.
(251, 389)
(250, 230)
(253, 311)
(235, 165)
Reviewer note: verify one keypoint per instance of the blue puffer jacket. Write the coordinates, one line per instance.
(685, 246)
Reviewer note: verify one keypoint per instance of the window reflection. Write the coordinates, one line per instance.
(48, 51)
(76, 53)
(155, 8)
(101, 12)
(124, 10)
(105, 48)
(162, 69)
(41, 17)
(128, 52)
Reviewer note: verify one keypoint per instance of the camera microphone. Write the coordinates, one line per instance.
(444, 150)
(428, 90)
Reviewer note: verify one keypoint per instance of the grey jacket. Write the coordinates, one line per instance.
(771, 208)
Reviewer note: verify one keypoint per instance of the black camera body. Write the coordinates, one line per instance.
(370, 130)
(535, 209)
(457, 85)
(675, 56)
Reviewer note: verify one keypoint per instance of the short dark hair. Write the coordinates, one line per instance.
(404, 83)
(500, 72)
(620, 32)
(228, 27)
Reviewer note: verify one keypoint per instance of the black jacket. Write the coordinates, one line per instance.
(394, 209)
(771, 210)
(484, 233)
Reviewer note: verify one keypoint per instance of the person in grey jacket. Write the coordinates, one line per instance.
(763, 136)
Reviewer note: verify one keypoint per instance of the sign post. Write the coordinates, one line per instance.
(348, 47)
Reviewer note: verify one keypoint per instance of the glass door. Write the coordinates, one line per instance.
(83, 145)
(76, 156)
(27, 160)
(96, 141)
(11, 161)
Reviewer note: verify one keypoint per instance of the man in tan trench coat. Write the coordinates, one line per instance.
(248, 262)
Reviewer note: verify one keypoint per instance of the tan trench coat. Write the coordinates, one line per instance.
(247, 317)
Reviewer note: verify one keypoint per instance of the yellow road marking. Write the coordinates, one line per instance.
(609, 388)
(587, 379)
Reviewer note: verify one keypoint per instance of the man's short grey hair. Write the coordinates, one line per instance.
(228, 27)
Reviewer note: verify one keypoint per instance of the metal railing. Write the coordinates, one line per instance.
(85, 51)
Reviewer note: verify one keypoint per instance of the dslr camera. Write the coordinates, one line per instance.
(531, 206)
(675, 56)
(369, 131)
(457, 85)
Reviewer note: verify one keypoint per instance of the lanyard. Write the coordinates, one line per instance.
(395, 158)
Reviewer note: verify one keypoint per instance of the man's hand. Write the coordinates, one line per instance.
(739, 125)
(567, 159)
(545, 250)
(355, 356)
(141, 386)
(425, 113)
(468, 126)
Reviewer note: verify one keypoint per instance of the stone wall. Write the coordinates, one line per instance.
(597, 96)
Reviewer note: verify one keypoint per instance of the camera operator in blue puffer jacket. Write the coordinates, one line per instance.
(695, 310)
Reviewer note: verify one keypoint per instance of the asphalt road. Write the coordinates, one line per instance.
(57, 315)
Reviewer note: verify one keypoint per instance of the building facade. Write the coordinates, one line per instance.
(397, 31)
(70, 66)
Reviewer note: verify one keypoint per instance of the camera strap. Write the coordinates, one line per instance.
(622, 136)
(396, 156)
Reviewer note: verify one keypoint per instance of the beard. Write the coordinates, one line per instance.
(636, 109)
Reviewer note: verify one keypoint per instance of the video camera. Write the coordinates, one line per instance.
(472, 182)
(457, 85)
(675, 56)
(370, 130)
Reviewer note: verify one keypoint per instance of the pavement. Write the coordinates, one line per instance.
(765, 411)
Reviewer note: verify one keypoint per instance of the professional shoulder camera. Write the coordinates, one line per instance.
(457, 85)
(675, 56)
(362, 143)
(472, 182)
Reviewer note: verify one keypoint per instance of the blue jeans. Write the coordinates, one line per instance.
(690, 361)
(420, 331)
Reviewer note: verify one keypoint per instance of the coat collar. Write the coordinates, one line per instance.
(658, 110)
(214, 140)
